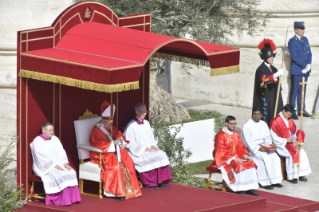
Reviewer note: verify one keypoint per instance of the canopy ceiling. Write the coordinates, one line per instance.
(107, 57)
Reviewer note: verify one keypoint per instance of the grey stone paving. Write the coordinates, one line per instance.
(306, 190)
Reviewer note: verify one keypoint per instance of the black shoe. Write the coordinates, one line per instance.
(269, 187)
(305, 114)
(164, 185)
(152, 187)
(294, 116)
(120, 198)
(278, 185)
(294, 181)
(252, 192)
(240, 192)
(304, 179)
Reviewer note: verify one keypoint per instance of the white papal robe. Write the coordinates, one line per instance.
(291, 169)
(141, 136)
(46, 155)
(268, 163)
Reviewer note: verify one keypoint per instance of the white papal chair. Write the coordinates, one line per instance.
(87, 170)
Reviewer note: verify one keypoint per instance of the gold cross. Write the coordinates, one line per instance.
(303, 83)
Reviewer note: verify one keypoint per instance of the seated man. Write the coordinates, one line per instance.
(256, 138)
(118, 173)
(284, 134)
(51, 164)
(151, 162)
(231, 158)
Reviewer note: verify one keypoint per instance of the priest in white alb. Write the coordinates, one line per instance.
(50, 162)
(151, 162)
(286, 136)
(256, 138)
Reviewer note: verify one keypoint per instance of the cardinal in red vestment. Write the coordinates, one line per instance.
(118, 170)
(286, 137)
(231, 158)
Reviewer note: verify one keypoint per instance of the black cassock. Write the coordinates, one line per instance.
(265, 94)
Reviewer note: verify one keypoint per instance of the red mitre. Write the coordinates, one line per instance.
(107, 111)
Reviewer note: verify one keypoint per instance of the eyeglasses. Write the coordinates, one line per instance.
(51, 130)
(143, 112)
(234, 124)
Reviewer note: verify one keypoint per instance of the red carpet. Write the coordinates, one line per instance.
(184, 199)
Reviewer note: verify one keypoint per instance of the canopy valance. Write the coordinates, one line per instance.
(104, 56)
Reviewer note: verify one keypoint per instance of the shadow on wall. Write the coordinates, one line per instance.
(316, 101)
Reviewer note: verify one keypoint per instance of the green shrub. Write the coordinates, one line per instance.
(166, 135)
(11, 197)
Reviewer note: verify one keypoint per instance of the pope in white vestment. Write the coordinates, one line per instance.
(50, 162)
(256, 133)
(151, 162)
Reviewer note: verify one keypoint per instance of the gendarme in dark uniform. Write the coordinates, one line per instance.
(266, 82)
(301, 58)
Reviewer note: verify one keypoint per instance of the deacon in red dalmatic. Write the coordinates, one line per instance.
(231, 158)
(286, 136)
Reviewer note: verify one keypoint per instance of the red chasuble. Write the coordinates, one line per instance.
(279, 127)
(119, 178)
(228, 146)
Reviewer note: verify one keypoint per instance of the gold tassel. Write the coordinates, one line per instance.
(182, 59)
(213, 72)
(79, 83)
(224, 70)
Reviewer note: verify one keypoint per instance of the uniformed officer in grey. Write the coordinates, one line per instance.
(301, 58)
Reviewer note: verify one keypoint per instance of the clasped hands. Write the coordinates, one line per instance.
(307, 69)
(290, 140)
(67, 166)
(246, 157)
(153, 148)
(117, 141)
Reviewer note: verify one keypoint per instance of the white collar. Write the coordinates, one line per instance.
(227, 131)
(298, 36)
(267, 64)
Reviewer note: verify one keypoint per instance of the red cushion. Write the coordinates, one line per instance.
(212, 168)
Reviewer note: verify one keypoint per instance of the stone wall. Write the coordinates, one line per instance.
(18, 15)
(237, 89)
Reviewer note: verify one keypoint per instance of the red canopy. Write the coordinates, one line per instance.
(88, 49)
(107, 57)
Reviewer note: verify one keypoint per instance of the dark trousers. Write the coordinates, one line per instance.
(295, 91)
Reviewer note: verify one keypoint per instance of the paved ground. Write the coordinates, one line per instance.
(308, 190)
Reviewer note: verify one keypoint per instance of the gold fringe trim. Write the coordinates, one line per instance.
(79, 83)
(181, 59)
(224, 70)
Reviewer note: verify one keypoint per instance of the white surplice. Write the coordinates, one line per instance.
(46, 155)
(291, 169)
(245, 180)
(140, 137)
(268, 163)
